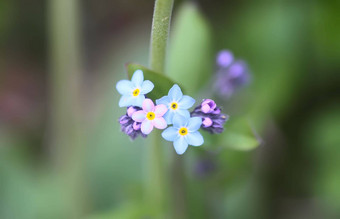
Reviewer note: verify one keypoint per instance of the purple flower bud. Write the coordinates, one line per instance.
(128, 125)
(207, 122)
(208, 106)
(231, 77)
(131, 110)
(224, 58)
(212, 118)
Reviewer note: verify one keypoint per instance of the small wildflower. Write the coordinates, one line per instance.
(133, 92)
(231, 75)
(177, 103)
(150, 116)
(129, 126)
(224, 58)
(184, 132)
(212, 118)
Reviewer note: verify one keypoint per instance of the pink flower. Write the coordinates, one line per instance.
(151, 116)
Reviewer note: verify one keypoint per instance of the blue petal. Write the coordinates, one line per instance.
(180, 145)
(124, 87)
(163, 100)
(175, 93)
(168, 116)
(137, 78)
(194, 124)
(147, 86)
(170, 134)
(194, 138)
(186, 102)
(138, 101)
(179, 121)
(126, 100)
(184, 113)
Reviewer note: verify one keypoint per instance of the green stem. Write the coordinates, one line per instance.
(158, 44)
(160, 34)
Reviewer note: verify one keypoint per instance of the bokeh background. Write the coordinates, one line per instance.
(62, 154)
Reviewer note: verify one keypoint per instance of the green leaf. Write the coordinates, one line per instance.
(162, 83)
(239, 135)
(190, 59)
(239, 141)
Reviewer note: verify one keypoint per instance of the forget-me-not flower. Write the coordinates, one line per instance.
(150, 116)
(133, 91)
(177, 103)
(184, 132)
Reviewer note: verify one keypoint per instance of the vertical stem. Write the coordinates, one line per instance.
(158, 44)
(65, 76)
(160, 34)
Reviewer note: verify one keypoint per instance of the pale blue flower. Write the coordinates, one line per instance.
(177, 103)
(133, 92)
(184, 132)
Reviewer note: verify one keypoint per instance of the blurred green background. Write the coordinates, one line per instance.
(62, 154)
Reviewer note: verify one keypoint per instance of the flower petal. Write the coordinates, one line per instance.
(163, 100)
(138, 101)
(146, 127)
(186, 102)
(179, 121)
(170, 134)
(148, 105)
(139, 116)
(124, 87)
(194, 138)
(137, 78)
(146, 87)
(125, 101)
(168, 116)
(180, 145)
(159, 123)
(184, 113)
(160, 110)
(194, 124)
(175, 93)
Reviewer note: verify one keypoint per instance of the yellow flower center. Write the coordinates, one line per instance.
(150, 115)
(183, 131)
(135, 92)
(174, 105)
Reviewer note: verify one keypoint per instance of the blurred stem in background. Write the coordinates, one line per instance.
(158, 44)
(65, 75)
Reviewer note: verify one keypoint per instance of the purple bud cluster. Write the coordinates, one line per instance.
(212, 118)
(231, 74)
(129, 126)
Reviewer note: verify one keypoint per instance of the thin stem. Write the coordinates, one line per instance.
(158, 44)
(160, 34)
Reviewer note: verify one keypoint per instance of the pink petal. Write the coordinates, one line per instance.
(139, 116)
(147, 127)
(159, 123)
(148, 105)
(160, 110)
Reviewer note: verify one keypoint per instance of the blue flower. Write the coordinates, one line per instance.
(177, 103)
(133, 91)
(184, 132)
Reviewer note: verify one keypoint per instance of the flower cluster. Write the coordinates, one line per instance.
(143, 115)
(231, 74)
